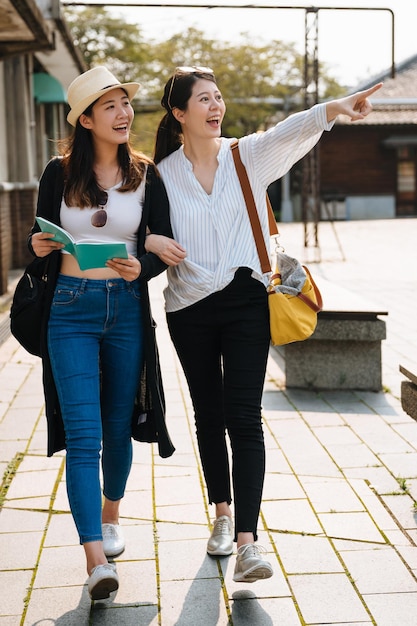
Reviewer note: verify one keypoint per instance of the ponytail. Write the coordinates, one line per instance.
(177, 93)
(168, 137)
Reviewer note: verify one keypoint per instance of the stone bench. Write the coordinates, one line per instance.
(344, 351)
(409, 393)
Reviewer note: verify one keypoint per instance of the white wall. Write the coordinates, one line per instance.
(370, 207)
(352, 208)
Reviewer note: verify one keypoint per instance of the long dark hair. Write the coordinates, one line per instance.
(177, 93)
(81, 186)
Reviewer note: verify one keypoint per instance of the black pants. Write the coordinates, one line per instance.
(222, 343)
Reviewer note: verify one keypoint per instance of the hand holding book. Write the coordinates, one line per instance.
(89, 254)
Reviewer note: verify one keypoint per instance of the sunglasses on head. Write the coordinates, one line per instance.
(184, 70)
(190, 69)
(99, 218)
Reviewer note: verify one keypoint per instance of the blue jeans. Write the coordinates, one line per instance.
(95, 344)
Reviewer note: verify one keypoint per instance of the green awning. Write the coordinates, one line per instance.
(48, 89)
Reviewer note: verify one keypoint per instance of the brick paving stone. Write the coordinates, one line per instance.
(61, 566)
(368, 568)
(403, 510)
(321, 419)
(183, 531)
(291, 516)
(401, 465)
(21, 550)
(60, 502)
(355, 525)
(381, 516)
(137, 504)
(13, 585)
(188, 561)
(139, 536)
(327, 599)
(61, 531)
(34, 484)
(123, 615)
(276, 461)
(185, 602)
(409, 554)
(301, 554)
(21, 521)
(331, 495)
(138, 582)
(69, 606)
(393, 609)
(248, 611)
(377, 477)
(280, 486)
(352, 455)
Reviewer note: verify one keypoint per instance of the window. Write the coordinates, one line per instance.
(406, 177)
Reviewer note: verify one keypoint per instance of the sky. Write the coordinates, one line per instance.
(355, 45)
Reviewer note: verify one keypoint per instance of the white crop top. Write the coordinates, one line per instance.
(124, 214)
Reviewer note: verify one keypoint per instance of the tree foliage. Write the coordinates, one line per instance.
(255, 80)
(260, 82)
(107, 40)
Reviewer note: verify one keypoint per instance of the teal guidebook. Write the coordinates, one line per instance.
(89, 254)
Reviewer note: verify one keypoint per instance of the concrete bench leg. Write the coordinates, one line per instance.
(409, 398)
(334, 365)
(341, 354)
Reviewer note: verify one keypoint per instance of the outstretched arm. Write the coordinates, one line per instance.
(356, 106)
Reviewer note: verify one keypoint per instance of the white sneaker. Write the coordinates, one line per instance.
(113, 540)
(102, 581)
(221, 538)
(250, 565)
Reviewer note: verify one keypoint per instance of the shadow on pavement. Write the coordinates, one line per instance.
(246, 610)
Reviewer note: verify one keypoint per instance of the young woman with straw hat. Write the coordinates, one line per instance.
(101, 377)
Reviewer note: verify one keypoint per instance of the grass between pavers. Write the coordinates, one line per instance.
(8, 476)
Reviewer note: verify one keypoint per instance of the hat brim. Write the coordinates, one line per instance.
(130, 88)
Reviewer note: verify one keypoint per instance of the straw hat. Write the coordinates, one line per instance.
(90, 86)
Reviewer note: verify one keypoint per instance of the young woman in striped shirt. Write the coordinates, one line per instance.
(216, 302)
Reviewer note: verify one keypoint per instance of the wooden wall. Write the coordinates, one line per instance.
(354, 161)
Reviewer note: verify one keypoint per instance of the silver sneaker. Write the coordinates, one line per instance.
(250, 565)
(113, 540)
(102, 581)
(221, 538)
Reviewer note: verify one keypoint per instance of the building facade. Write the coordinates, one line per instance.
(368, 169)
(37, 63)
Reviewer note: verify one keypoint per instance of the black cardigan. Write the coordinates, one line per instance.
(150, 400)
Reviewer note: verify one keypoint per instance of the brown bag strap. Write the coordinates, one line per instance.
(253, 213)
(273, 230)
(316, 307)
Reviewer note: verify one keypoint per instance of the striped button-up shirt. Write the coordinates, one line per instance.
(214, 228)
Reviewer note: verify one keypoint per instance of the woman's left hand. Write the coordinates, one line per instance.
(129, 268)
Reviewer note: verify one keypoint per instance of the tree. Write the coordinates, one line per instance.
(256, 81)
(110, 41)
(259, 82)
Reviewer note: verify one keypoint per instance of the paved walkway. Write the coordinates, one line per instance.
(338, 518)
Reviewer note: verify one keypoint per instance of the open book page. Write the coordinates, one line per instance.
(60, 234)
(89, 254)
